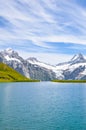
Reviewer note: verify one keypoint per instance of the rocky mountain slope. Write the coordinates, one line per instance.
(9, 74)
(32, 68)
(28, 69)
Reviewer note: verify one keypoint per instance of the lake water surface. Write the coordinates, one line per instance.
(42, 106)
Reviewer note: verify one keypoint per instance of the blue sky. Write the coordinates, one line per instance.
(47, 29)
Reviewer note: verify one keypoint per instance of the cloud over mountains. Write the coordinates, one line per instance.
(49, 26)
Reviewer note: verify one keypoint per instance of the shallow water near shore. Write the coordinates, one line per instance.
(42, 106)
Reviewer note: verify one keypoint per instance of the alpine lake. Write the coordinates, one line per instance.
(42, 106)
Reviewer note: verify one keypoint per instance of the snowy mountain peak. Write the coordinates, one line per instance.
(78, 58)
(9, 52)
(32, 59)
(10, 55)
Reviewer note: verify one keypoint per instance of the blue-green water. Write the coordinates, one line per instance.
(42, 106)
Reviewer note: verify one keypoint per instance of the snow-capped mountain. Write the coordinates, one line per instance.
(75, 68)
(29, 69)
(58, 73)
(78, 58)
(32, 68)
(11, 58)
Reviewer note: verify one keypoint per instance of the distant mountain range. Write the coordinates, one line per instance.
(34, 69)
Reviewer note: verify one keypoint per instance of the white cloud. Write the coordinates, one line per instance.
(65, 39)
(43, 21)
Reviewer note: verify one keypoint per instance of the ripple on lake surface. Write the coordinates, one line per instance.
(42, 106)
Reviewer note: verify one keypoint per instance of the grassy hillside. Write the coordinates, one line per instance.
(70, 81)
(7, 74)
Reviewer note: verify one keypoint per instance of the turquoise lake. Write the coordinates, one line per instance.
(42, 106)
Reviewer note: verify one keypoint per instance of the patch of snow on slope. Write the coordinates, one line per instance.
(73, 67)
(62, 67)
(42, 64)
(9, 59)
(50, 67)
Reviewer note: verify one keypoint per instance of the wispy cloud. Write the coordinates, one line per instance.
(38, 23)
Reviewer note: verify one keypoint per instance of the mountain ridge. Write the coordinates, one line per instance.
(33, 68)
